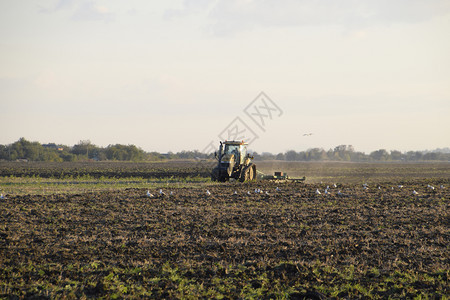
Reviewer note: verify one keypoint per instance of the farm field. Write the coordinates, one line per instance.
(179, 169)
(195, 239)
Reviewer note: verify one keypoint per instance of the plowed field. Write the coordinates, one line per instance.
(251, 240)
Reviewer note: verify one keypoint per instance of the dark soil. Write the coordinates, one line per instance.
(290, 242)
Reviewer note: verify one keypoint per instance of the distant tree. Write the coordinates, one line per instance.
(189, 154)
(396, 155)
(280, 156)
(340, 148)
(379, 155)
(358, 156)
(82, 148)
(342, 152)
(154, 156)
(317, 154)
(66, 156)
(183, 154)
(301, 156)
(267, 156)
(413, 155)
(23, 149)
(331, 155)
(4, 152)
(124, 153)
(51, 155)
(290, 155)
(431, 156)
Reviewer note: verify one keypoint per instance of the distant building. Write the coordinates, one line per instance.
(53, 146)
(50, 146)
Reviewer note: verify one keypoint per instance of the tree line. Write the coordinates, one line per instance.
(85, 150)
(347, 153)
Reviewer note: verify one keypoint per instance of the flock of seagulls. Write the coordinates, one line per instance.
(327, 191)
(277, 189)
(432, 187)
(208, 193)
(161, 193)
(400, 186)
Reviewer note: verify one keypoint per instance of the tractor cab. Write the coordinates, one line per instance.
(239, 151)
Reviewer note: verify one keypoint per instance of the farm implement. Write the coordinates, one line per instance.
(235, 163)
(280, 177)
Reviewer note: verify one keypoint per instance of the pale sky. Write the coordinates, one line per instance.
(175, 75)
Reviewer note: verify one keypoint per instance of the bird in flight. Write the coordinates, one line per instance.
(307, 134)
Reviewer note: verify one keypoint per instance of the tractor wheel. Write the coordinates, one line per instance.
(244, 175)
(253, 167)
(250, 173)
(215, 174)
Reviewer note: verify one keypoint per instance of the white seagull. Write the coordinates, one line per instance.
(149, 194)
(161, 192)
(415, 193)
(208, 192)
(277, 189)
(318, 192)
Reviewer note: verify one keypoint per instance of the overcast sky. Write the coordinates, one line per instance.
(180, 75)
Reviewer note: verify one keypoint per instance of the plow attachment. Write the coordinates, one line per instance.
(279, 177)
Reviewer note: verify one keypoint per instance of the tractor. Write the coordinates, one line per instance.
(233, 162)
